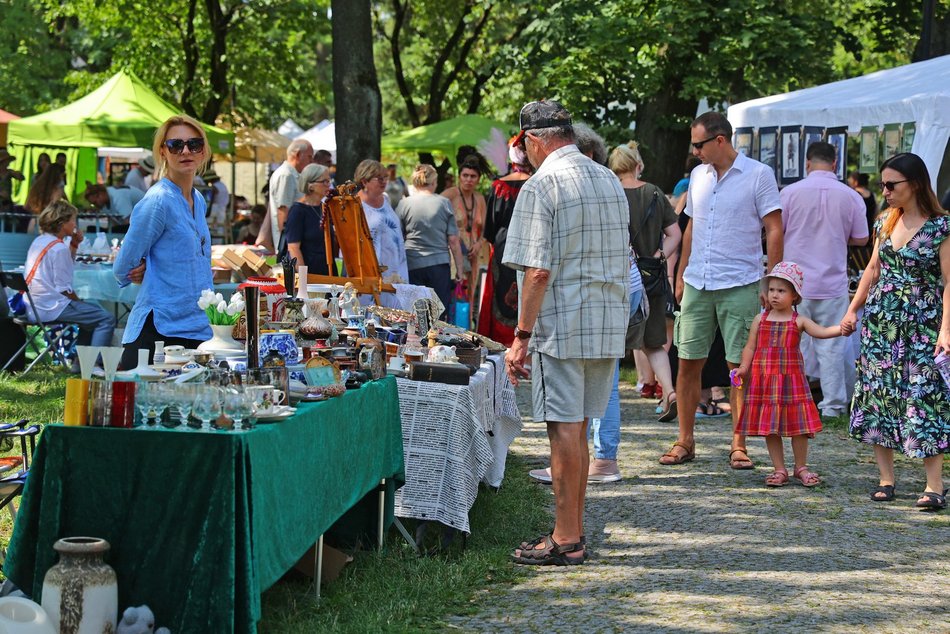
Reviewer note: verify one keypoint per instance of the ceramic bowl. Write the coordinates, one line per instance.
(284, 343)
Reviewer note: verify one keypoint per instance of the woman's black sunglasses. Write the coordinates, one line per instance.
(195, 145)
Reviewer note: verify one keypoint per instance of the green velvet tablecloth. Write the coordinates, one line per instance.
(201, 523)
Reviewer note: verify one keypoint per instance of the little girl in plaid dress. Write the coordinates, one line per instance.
(778, 401)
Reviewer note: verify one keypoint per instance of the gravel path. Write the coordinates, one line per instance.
(703, 548)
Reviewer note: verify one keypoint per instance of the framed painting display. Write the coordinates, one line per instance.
(768, 147)
(812, 134)
(907, 136)
(742, 141)
(838, 137)
(790, 157)
(892, 140)
(867, 163)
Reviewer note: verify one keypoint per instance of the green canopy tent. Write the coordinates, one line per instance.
(123, 112)
(446, 137)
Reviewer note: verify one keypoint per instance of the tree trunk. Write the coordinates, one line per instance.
(663, 133)
(356, 97)
(939, 33)
(218, 61)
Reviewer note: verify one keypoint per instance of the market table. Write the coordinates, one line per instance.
(96, 282)
(454, 437)
(201, 523)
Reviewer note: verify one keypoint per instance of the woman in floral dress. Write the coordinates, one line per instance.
(900, 399)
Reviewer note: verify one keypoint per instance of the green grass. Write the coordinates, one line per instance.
(398, 591)
(38, 396)
(392, 591)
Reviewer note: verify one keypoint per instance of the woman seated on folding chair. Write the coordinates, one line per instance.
(49, 266)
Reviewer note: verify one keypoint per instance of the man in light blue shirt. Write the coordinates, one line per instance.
(115, 201)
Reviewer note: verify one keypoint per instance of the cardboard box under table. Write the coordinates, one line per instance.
(201, 523)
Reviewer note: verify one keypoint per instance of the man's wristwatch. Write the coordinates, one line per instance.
(522, 334)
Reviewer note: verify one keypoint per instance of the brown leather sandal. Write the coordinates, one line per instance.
(676, 458)
(740, 464)
(553, 554)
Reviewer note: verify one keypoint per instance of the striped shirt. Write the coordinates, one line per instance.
(571, 219)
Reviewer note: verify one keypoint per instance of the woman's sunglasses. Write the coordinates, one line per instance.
(195, 145)
(890, 185)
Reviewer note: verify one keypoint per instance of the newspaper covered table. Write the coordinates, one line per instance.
(455, 436)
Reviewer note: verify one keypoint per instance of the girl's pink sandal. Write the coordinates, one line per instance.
(806, 477)
(779, 478)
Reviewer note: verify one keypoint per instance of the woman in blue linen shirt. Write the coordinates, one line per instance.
(168, 234)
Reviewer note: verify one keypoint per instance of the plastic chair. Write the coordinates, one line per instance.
(14, 280)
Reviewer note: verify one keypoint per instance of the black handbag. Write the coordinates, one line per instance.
(652, 269)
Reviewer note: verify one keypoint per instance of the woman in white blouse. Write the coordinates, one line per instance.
(49, 268)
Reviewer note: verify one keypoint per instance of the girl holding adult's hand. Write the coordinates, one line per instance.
(168, 236)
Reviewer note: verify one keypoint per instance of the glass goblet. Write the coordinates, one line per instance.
(144, 402)
(183, 400)
(207, 405)
(238, 406)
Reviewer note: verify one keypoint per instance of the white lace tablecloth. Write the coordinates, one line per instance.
(454, 436)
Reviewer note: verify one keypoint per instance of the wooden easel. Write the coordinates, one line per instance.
(343, 211)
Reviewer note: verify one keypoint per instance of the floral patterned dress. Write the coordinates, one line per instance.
(900, 401)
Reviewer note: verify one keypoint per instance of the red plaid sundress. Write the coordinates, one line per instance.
(777, 399)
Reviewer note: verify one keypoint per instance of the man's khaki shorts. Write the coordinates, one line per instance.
(731, 309)
(570, 390)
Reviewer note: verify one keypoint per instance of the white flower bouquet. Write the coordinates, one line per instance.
(221, 313)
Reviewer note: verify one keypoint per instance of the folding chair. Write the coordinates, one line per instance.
(14, 470)
(15, 281)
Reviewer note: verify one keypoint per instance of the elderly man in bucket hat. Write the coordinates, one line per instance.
(568, 241)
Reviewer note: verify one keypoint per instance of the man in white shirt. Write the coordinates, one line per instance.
(730, 199)
(283, 191)
(822, 217)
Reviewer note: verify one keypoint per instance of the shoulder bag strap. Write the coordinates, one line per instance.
(39, 258)
(646, 217)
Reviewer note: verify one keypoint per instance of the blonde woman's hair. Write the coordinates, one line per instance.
(159, 142)
(367, 170)
(424, 176)
(56, 214)
(626, 159)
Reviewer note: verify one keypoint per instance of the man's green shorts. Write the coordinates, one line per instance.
(731, 309)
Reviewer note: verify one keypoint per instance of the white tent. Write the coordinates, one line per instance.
(290, 129)
(916, 92)
(322, 137)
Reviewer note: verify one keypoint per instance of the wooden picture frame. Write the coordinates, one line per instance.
(742, 140)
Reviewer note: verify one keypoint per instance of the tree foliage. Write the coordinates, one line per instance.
(196, 53)
(32, 60)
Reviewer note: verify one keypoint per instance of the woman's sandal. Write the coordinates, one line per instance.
(709, 409)
(806, 477)
(676, 458)
(740, 464)
(888, 493)
(779, 478)
(931, 501)
(553, 554)
(671, 412)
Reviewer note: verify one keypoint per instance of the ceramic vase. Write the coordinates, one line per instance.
(221, 341)
(80, 594)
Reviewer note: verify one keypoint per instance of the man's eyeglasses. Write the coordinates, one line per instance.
(194, 145)
(889, 185)
(699, 144)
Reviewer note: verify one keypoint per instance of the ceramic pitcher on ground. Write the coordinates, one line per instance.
(80, 594)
